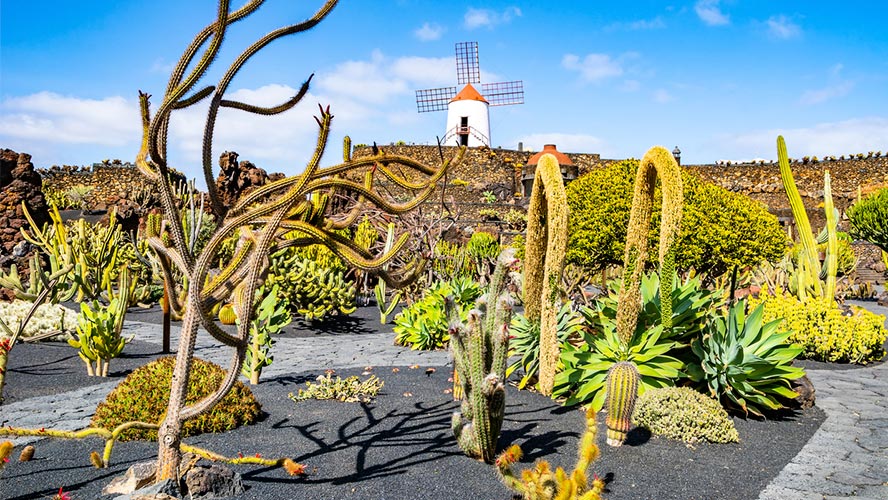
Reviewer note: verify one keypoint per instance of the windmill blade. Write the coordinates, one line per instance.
(467, 68)
(434, 99)
(504, 93)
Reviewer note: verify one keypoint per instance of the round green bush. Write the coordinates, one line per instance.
(145, 393)
(719, 229)
(684, 414)
(869, 219)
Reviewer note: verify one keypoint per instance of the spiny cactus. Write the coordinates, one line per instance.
(658, 161)
(264, 215)
(541, 483)
(622, 391)
(480, 348)
(227, 316)
(544, 254)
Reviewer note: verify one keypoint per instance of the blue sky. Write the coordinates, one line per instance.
(718, 78)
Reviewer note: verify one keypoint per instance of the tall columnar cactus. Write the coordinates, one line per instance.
(264, 215)
(832, 240)
(480, 347)
(622, 391)
(544, 254)
(809, 274)
(657, 161)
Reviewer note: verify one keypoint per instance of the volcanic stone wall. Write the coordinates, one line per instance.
(111, 181)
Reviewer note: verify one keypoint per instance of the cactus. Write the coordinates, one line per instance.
(480, 348)
(622, 391)
(541, 483)
(227, 316)
(264, 215)
(98, 332)
(380, 289)
(544, 254)
(808, 278)
(272, 315)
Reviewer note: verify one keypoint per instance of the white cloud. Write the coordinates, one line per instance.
(662, 96)
(710, 13)
(857, 135)
(818, 96)
(593, 67)
(630, 86)
(429, 32)
(488, 18)
(46, 116)
(566, 143)
(638, 25)
(782, 27)
(426, 70)
(836, 69)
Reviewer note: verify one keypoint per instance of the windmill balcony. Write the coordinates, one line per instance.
(461, 135)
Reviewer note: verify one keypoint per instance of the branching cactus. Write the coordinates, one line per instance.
(808, 279)
(541, 483)
(622, 391)
(265, 214)
(658, 161)
(544, 254)
(480, 348)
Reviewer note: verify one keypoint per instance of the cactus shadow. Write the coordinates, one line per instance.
(378, 443)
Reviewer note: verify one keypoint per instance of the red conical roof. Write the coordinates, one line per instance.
(550, 149)
(468, 93)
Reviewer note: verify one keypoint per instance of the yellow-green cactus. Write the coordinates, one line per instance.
(622, 391)
(544, 262)
(541, 483)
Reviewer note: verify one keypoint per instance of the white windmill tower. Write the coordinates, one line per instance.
(468, 118)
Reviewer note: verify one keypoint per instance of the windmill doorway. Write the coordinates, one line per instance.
(464, 131)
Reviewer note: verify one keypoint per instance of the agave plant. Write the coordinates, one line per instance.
(583, 378)
(744, 363)
(525, 341)
(657, 352)
(692, 304)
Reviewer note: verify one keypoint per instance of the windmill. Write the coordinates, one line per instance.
(468, 119)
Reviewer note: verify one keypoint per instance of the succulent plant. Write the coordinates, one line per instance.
(480, 346)
(541, 483)
(684, 414)
(746, 363)
(622, 391)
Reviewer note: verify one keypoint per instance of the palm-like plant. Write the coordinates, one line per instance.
(744, 363)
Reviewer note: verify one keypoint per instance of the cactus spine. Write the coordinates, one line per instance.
(480, 348)
(622, 391)
(544, 254)
(657, 161)
(542, 484)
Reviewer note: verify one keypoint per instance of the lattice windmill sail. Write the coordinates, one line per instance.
(468, 118)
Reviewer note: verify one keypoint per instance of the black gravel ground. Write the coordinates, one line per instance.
(400, 447)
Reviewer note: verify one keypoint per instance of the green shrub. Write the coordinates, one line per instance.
(144, 395)
(869, 219)
(823, 331)
(719, 229)
(312, 289)
(423, 324)
(684, 414)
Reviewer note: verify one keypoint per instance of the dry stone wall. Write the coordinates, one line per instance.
(19, 183)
